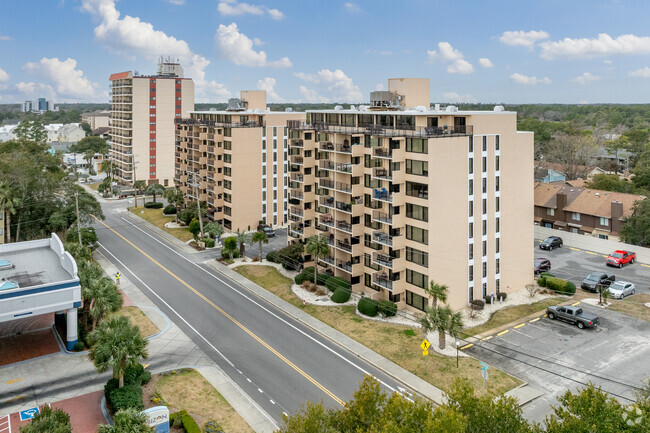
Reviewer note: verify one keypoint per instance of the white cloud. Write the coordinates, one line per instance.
(177, 2)
(4, 76)
(352, 8)
(522, 38)
(460, 66)
(130, 36)
(64, 75)
(335, 84)
(5, 37)
(258, 41)
(268, 84)
(525, 79)
(238, 48)
(643, 73)
(455, 97)
(604, 45)
(485, 62)
(32, 90)
(234, 8)
(607, 62)
(585, 78)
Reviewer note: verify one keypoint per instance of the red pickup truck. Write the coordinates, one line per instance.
(619, 258)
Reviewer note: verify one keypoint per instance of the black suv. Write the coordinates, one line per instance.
(551, 242)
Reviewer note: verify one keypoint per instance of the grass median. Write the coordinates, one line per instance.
(139, 319)
(400, 344)
(511, 314)
(156, 217)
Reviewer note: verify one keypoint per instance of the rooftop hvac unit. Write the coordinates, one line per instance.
(383, 99)
(235, 104)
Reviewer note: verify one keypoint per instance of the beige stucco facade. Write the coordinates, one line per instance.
(410, 196)
(143, 111)
(238, 159)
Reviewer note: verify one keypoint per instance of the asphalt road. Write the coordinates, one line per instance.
(574, 265)
(555, 356)
(275, 359)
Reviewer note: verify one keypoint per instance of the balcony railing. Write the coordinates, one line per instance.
(327, 220)
(383, 195)
(327, 202)
(297, 142)
(344, 226)
(345, 265)
(382, 238)
(383, 259)
(296, 211)
(325, 165)
(296, 230)
(381, 173)
(380, 152)
(343, 187)
(326, 183)
(297, 160)
(382, 217)
(378, 130)
(345, 245)
(297, 178)
(322, 228)
(382, 281)
(344, 168)
(198, 122)
(296, 194)
(327, 260)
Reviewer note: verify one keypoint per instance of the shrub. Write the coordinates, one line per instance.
(308, 273)
(110, 386)
(386, 308)
(340, 296)
(367, 306)
(189, 425)
(570, 288)
(195, 228)
(323, 279)
(299, 279)
(290, 256)
(209, 242)
(305, 285)
(272, 256)
(78, 346)
(478, 303)
(321, 291)
(541, 282)
(170, 209)
(502, 296)
(152, 205)
(312, 287)
(127, 397)
(187, 215)
(212, 427)
(546, 274)
(136, 376)
(334, 283)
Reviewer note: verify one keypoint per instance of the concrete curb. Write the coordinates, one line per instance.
(163, 315)
(161, 233)
(420, 386)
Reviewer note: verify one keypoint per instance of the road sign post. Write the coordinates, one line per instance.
(484, 373)
(425, 351)
(28, 413)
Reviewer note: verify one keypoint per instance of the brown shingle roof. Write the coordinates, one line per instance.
(599, 203)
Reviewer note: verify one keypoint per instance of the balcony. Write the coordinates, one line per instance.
(344, 226)
(382, 195)
(343, 187)
(382, 217)
(297, 194)
(298, 160)
(326, 183)
(383, 260)
(327, 220)
(322, 228)
(344, 245)
(326, 165)
(327, 260)
(326, 202)
(380, 152)
(344, 265)
(382, 280)
(295, 231)
(382, 238)
(296, 212)
(344, 168)
(381, 173)
(378, 130)
(297, 178)
(327, 146)
(297, 142)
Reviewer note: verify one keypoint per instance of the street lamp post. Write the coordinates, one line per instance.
(457, 345)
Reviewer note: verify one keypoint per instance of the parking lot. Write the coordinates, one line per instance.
(574, 265)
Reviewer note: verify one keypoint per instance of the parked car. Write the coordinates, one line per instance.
(268, 230)
(621, 289)
(542, 265)
(620, 257)
(596, 279)
(551, 242)
(573, 315)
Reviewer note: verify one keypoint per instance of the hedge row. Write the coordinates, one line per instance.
(559, 285)
(130, 395)
(386, 308)
(289, 257)
(340, 296)
(184, 419)
(368, 306)
(170, 209)
(152, 205)
(209, 242)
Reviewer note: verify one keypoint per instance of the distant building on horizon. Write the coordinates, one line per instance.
(39, 105)
(143, 110)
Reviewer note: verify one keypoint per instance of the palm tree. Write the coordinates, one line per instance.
(105, 299)
(317, 246)
(438, 292)
(139, 186)
(117, 344)
(127, 421)
(8, 205)
(174, 196)
(260, 238)
(155, 189)
(214, 229)
(48, 420)
(243, 238)
(88, 273)
(88, 156)
(443, 320)
(107, 167)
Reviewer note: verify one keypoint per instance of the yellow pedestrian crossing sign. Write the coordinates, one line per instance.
(425, 345)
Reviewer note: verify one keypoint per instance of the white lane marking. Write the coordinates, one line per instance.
(261, 392)
(193, 329)
(259, 305)
(272, 402)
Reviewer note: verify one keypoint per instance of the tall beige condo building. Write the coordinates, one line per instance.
(143, 110)
(237, 161)
(406, 194)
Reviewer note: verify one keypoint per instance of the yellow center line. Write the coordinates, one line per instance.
(232, 319)
(575, 303)
(533, 321)
(519, 326)
(502, 332)
(488, 338)
(467, 346)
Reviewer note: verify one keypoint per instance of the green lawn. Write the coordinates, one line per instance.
(510, 314)
(397, 343)
(632, 306)
(156, 217)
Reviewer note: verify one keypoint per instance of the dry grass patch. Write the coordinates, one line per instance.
(400, 344)
(94, 186)
(633, 306)
(156, 217)
(511, 314)
(187, 389)
(139, 319)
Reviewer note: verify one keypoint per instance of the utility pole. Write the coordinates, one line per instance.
(76, 203)
(135, 190)
(195, 184)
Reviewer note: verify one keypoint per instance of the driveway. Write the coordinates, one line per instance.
(554, 356)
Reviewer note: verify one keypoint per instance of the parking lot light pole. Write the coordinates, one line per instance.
(457, 345)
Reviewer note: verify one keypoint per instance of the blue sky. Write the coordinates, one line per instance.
(510, 51)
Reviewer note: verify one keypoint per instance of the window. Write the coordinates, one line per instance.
(471, 209)
(420, 168)
(484, 182)
(496, 184)
(484, 164)
(604, 222)
(497, 268)
(471, 187)
(417, 234)
(471, 230)
(417, 145)
(497, 204)
(484, 227)
(418, 257)
(484, 206)
(419, 190)
(470, 271)
(497, 225)
(497, 243)
(485, 143)
(227, 158)
(471, 252)
(496, 163)
(416, 278)
(415, 301)
(496, 144)
(575, 216)
(484, 251)
(550, 211)
(471, 165)
(484, 269)
(471, 144)
(417, 212)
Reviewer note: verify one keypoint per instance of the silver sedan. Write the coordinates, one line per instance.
(621, 289)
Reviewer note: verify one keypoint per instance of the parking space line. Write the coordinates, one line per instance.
(575, 304)
(575, 249)
(592, 253)
(9, 382)
(488, 338)
(502, 332)
(533, 321)
(647, 266)
(519, 326)
(467, 346)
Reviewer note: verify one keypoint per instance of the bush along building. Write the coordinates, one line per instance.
(406, 194)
